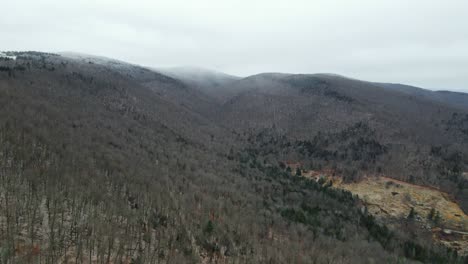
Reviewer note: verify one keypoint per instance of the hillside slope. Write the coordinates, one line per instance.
(111, 162)
(456, 99)
(351, 124)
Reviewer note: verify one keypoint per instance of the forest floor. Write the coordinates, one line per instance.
(389, 198)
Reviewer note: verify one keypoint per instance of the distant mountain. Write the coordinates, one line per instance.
(207, 81)
(456, 99)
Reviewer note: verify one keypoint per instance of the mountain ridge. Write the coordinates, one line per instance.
(165, 168)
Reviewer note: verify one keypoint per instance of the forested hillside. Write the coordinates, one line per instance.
(359, 126)
(108, 162)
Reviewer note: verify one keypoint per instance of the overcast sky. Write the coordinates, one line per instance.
(423, 43)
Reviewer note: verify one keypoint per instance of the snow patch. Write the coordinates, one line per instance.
(3, 55)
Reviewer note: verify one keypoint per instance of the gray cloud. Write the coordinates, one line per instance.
(423, 43)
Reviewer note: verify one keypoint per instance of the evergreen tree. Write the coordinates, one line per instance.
(209, 227)
(411, 214)
(298, 172)
(437, 217)
(431, 214)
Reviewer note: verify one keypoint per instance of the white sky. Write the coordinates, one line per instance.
(423, 43)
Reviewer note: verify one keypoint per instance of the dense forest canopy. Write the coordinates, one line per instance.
(108, 162)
